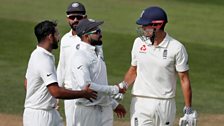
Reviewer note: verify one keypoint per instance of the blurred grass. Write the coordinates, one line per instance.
(198, 25)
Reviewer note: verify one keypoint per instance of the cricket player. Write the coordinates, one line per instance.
(89, 67)
(75, 12)
(41, 81)
(157, 59)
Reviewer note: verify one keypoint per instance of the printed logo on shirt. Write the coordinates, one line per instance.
(143, 49)
(49, 74)
(77, 46)
(79, 67)
(165, 54)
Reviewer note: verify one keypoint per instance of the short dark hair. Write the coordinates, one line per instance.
(44, 29)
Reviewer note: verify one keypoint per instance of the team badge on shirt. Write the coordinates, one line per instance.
(49, 74)
(165, 54)
(143, 49)
(77, 46)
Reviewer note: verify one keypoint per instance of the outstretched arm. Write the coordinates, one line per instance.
(130, 76)
(62, 93)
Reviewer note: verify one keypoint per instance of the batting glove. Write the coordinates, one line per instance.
(123, 85)
(189, 118)
(118, 97)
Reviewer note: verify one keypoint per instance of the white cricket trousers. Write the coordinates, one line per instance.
(93, 116)
(152, 112)
(37, 117)
(69, 107)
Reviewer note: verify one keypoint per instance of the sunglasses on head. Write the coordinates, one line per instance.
(73, 17)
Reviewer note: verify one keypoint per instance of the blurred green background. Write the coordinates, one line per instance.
(197, 24)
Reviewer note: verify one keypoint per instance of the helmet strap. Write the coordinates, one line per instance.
(152, 39)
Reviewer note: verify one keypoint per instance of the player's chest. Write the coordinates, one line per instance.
(156, 56)
(97, 65)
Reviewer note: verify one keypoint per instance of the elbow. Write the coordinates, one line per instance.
(54, 91)
(56, 95)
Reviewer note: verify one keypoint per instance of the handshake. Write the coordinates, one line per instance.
(189, 118)
(123, 86)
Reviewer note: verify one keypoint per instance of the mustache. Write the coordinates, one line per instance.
(75, 23)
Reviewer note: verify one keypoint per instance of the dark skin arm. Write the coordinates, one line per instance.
(62, 93)
(186, 87)
(25, 84)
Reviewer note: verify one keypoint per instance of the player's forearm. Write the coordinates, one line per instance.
(62, 93)
(130, 75)
(69, 94)
(186, 88)
(187, 95)
(104, 88)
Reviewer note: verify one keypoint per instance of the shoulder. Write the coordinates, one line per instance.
(175, 44)
(66, 39)
(40, 57)
(138, 42)
(80, 56)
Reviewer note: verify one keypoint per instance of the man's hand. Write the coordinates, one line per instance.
(123, 86)
(189, 118)
(120, 111)
(89, 93)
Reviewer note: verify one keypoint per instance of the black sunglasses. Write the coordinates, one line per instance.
(73, 17)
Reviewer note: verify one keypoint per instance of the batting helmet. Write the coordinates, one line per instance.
(152, 15)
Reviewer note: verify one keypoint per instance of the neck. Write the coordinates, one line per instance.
(159, 37)
(45, 46)
(74, 33)
(85, 39)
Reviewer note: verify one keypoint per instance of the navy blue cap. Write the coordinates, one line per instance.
(87, 25)
(152, 14)
(76, 7)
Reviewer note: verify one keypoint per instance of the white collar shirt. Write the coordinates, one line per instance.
(88, 68)
(40, 73)
(67, 48)
(157, 67)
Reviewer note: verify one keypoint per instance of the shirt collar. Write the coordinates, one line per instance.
(70, 33)
(165, 41)
(87, 46)
(45, 51)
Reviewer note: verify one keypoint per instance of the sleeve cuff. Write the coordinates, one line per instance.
(114, 104)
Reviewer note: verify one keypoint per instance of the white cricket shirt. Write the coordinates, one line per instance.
(40, 73)
(88, 68)
(157, 67)
(67, 48)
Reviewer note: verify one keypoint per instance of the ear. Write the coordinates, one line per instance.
(50, 37)
(85, 37)
(85, 16)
